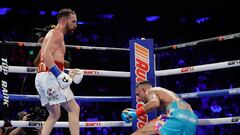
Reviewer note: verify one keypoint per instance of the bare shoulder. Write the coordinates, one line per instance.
(154, 90)
(55, 34)
(158, 89)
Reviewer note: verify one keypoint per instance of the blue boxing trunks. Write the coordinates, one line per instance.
(180, 121)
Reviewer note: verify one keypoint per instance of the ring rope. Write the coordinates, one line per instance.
(105, 73)
(210, 93)
(177, 46)
(18, 97)
(197, 42)
(199, 68)
(218, 121)
(211, 121)
(66, 125)
(31, 44)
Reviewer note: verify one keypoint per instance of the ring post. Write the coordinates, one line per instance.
(141, 68)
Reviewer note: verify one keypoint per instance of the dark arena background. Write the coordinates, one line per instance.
(112, 23)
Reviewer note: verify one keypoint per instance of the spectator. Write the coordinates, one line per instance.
(24, 116)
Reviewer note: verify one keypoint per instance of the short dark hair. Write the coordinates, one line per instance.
(65, 12)
(142, 83)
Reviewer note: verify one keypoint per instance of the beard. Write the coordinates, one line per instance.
(69, 30)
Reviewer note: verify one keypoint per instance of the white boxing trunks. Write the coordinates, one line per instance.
(49, 90)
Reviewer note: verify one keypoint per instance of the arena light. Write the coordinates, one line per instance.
(202, 20)
(89, 23)
(152, 18)
(3, 11)
(105, 16)
(42, 12)
(80, 22)
(54, 13)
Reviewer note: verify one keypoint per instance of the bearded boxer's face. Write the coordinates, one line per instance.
(71, 24)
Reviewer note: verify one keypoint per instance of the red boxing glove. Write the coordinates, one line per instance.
(140, 111)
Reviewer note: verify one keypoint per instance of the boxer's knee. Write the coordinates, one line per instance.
(55, 115)
(54, 111)
(71, 107)
(76, 109)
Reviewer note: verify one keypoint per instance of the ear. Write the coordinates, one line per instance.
(144, 89)
(64, 21)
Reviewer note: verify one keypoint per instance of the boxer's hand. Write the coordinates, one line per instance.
(129, 115)
(76, 75)
(63, 79)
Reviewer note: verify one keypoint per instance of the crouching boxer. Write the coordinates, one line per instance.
(178, 120)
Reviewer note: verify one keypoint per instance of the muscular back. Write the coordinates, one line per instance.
(53, 47)
(165, 96)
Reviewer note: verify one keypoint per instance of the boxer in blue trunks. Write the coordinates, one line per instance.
(178, 120)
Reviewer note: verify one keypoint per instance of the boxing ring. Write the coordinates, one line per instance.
(123, 74)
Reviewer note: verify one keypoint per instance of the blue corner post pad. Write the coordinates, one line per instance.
(55, 70)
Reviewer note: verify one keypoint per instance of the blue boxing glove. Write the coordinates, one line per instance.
(129, 115)
(63, 79)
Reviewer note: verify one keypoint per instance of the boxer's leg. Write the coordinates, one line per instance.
(54, 115)
(73, 116)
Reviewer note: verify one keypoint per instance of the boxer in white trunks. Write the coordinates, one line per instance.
(52, 82)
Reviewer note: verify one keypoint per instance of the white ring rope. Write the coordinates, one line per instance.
(191, 69)
(218, 121)
(1, 123)
(199, 68)
(65, 124)
(211, 121)
(33, 70)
